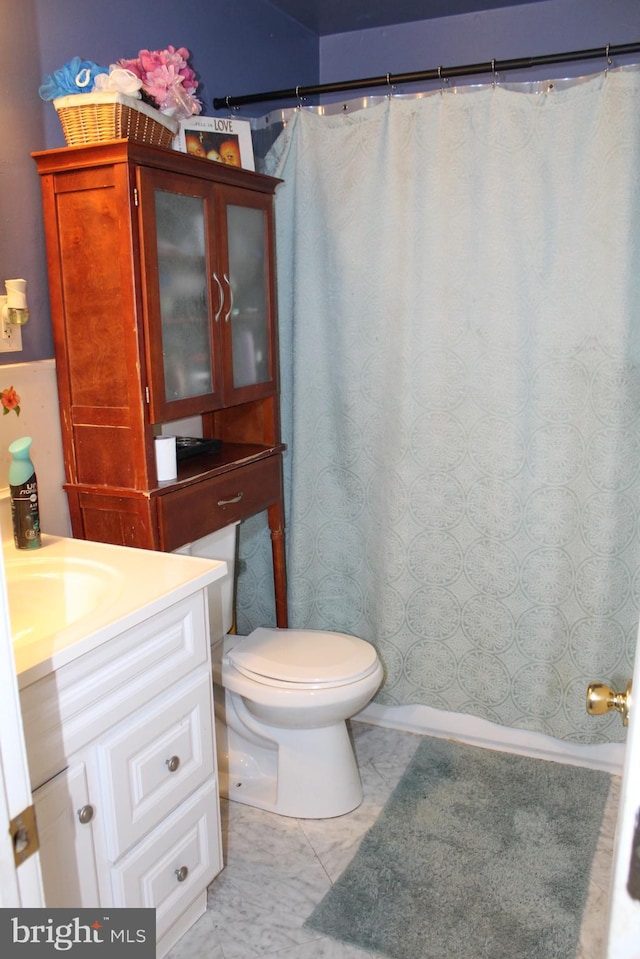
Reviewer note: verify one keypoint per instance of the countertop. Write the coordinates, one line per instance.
(108, 589)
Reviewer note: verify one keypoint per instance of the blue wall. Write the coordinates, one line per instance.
(236, 45)
(554, 26)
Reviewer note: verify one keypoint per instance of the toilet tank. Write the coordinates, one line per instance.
(220, 545)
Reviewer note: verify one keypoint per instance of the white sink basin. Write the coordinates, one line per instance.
(73, 595)
(49, 595)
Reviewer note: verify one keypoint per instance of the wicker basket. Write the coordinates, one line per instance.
(94, 117)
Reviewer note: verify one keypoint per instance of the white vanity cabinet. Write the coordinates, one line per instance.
(65, 834)
(121, 750)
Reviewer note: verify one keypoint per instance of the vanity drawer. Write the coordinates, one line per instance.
(171, 866)
(149, 764)
(189, 513)
(69, 708)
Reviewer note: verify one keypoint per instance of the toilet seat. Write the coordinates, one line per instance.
(302, 658)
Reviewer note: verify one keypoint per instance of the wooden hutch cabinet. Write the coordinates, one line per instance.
(162, 285)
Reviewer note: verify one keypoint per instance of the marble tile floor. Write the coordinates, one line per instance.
(278, 869)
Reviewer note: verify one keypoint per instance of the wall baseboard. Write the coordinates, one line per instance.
(426, 721)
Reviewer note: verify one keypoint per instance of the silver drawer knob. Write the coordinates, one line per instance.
(182, 873)
(85, 814)
(173, 763)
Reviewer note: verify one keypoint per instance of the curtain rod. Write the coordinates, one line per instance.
(439, 73)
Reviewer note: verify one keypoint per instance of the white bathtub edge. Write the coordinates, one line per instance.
(427, 721)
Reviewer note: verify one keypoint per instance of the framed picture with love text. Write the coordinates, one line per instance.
(220, 139)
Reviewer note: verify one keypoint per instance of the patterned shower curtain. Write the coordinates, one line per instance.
(459, 298)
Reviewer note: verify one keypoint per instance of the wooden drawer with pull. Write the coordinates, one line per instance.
(188, 514)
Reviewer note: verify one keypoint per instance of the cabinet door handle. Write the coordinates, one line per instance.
(234, 499)
(173, 763)
(85, 814)
(230, 310)
(182, 873)
(221, 292)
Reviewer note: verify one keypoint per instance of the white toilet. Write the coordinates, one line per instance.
(282, 698)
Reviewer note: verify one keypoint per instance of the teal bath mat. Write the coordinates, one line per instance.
(476, 855)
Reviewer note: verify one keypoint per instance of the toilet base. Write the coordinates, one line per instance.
(307, 774)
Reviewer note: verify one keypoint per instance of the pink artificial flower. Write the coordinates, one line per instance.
(159, 80)
(132, 65)
(167, 78)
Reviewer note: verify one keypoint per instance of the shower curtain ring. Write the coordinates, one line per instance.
(495, 75)
(443, 80)
(389, 86)
(607, 60)
(298, 97)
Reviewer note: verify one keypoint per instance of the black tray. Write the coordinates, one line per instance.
(187, 446)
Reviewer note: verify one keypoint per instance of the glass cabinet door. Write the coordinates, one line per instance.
(247, 279)
(248, 325)
(176, 247)
(182, 277)
(209, 294)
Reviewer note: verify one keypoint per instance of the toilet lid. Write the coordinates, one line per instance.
(303, 656)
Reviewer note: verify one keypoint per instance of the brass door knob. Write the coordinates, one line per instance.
(602, 699)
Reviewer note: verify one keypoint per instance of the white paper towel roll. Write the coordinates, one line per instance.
(166, 458)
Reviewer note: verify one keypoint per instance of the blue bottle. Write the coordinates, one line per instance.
(23, 488)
